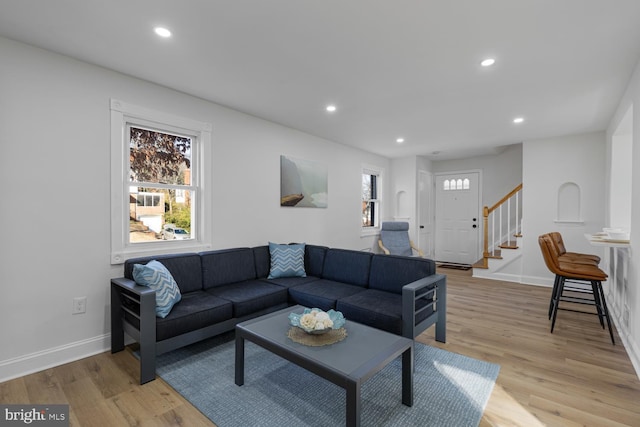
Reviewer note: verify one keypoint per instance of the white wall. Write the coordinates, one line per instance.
(403, 199)
(547, 165)
(621, 172)
(55, 166)
(630, 294)
(403, 196)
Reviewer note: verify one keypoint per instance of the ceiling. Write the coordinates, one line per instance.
(401, 68)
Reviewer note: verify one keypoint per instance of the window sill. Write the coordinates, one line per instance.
(566, 221)
(158, 248)
(366, 232)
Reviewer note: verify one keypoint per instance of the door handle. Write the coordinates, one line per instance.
(422, 226)
(475, 226)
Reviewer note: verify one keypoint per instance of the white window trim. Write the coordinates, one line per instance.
(121, 249)
(379, 171)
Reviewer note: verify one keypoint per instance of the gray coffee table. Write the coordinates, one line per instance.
(348, 363)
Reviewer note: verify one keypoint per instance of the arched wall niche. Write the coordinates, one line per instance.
(569, 206)
(403, 208)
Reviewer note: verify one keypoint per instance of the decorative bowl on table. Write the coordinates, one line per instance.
(315, 321)
(617, 233)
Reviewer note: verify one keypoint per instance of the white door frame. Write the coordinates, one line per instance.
(425, 220)
(479, 248)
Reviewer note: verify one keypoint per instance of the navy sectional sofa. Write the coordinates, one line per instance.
(221, 288)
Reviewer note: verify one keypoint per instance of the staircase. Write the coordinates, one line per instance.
(502, 238)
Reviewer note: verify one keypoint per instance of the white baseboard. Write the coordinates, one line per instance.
(45, 359)
(507, 277)
(537, 281)
(633, 350)
(515, 278)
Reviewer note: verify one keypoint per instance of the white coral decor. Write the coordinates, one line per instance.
(308, 321)
(323, 319)
(316, 320)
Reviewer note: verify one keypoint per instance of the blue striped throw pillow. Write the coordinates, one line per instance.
(157, 277)
(286, 260)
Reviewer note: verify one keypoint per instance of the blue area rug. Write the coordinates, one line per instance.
(449, 389)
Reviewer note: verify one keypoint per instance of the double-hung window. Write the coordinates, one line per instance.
(371, 198)
(158, 203)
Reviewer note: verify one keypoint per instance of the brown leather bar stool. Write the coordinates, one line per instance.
(574, 278)
(560, 252)
(575, 257)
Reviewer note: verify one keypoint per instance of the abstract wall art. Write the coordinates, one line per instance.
(303, 183)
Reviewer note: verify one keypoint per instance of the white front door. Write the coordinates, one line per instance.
(425, 213)
(457, 217)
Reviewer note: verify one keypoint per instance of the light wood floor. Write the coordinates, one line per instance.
(573, 377)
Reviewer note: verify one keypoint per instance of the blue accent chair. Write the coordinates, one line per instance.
(394, 239)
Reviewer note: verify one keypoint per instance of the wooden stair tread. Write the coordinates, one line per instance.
(510, 244)
(496, 253)
(479, 264)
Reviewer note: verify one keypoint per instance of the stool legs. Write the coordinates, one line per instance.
(553, 294)
(605, 309)
(555, 300)
(598, 301)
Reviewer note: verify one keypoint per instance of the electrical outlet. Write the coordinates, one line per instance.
(79, 305)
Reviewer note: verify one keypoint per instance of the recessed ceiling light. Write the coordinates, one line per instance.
(162, 32)
(400, 140)
(331, 108)
(488, 62)
(518, 120)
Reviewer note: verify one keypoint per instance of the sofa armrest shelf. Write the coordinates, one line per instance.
(129, 297)
(140, 302)
(434, 290)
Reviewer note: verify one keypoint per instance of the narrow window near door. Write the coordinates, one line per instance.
(371, 198)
